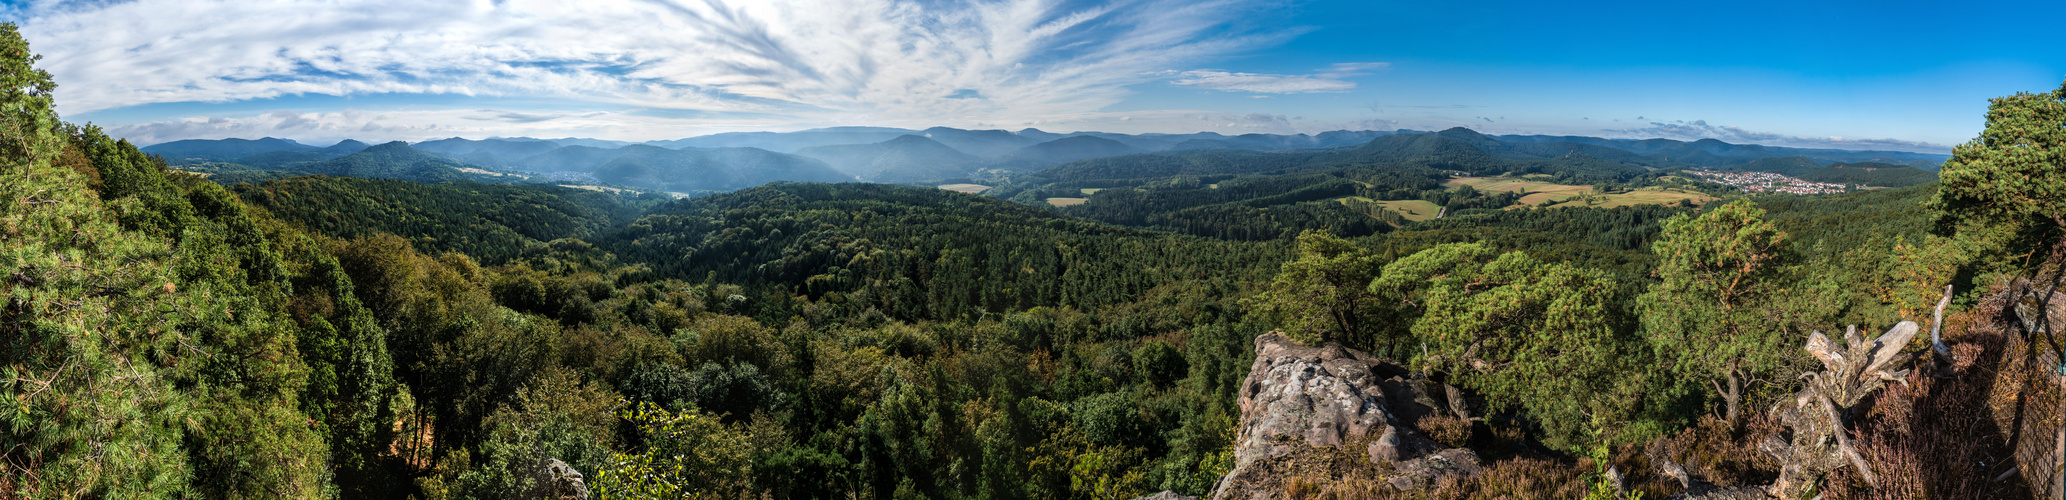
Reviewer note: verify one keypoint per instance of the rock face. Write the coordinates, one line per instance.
(558, 480)
(1300, 400)
(1166, 495)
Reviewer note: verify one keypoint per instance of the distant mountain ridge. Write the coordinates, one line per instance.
(905, 158)
(690, 170)
(882, 154)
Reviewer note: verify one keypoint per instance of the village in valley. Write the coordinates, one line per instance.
(1766, 182)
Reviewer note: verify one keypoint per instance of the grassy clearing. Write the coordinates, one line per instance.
(1066, 202)
(965, 188)
(1090, 191)
(1540, 191)
(593, 188)
(1653, 196)
(1413, 210)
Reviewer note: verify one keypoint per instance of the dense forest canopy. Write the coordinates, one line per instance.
(393, 328)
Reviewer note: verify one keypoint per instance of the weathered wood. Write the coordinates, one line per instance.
(1853, 370)
(1937, 325)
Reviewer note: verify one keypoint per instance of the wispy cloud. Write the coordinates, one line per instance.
(1331, 79)
(877, 61)
(1700, 129)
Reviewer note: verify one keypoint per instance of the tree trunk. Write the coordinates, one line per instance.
(1734, 398)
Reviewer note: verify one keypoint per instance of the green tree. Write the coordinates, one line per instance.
(687, 454)
(1320, 295)
(1527, 334)
(142, 349)
(1706, 318)
(2014, 174)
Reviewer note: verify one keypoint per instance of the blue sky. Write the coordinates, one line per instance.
(1909, 76)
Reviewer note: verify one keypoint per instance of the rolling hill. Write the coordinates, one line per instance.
(569, 159)
(492, 152)
(1871, 174)
(1066, 150)
(394, 160)
(717, 169)
(200, 150)
(905, 158)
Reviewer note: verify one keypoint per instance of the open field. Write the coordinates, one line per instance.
(497, 174)
(1066, 202)
(1090, 191)
(593, 188)
(1413, 210)
(965, 188)
(1650, 196)
(1540, 191)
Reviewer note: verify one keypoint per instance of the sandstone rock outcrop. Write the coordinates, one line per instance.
(1300, 401)
(558, 480)
(1166, 495)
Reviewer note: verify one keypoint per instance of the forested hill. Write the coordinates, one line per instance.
(922, 252)
(491, 222)
(1871, 174)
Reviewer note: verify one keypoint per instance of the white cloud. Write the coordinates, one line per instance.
(874, 61)
(1700, 129)
(1260, 83)
(1327, 80)
(324, 128)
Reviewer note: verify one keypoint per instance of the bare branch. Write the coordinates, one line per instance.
(1937, 325)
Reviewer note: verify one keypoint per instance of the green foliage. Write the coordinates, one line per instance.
(1871, 174)
(685, 454)
(1712, 315)
(1526, 334)
(493, 223)
(557, 417)
(147, 349)
(1160, 364)
(2010, 173)
(1322, 294)
(733, 391)
(859, 247)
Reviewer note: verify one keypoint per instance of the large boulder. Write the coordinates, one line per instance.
(1303, 401)
(559, 481)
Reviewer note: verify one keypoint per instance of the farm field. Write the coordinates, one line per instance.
(965, 188)
(1090, 191)
(1541, 191)
(1066, 202)
(1413, 210)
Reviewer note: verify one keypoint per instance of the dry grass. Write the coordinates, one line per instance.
(1516, 479)
(1446, 429)
(1413, 210)
(1066, 202)
(1952, 428)
(965, 188)
(592, 188)
(1708, 450)
(1540, 191)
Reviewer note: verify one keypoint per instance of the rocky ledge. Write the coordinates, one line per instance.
(1330, 407)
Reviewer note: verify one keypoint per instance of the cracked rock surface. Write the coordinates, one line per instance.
(1298, 399)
